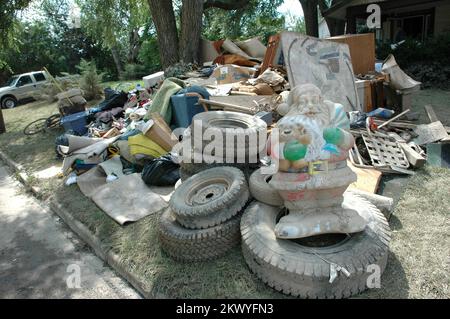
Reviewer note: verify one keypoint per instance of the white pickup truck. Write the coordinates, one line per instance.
(21, 87)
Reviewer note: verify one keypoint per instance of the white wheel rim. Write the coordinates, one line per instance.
(9, 104)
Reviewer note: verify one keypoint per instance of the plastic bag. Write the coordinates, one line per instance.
(162, 171)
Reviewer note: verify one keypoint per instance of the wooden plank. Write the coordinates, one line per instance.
(368, 179)
(362, 51)
(431, 114)
(394, 118)
(430, 133)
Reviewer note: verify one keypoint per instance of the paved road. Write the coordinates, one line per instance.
(41, 258)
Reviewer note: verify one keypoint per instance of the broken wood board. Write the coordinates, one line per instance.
(368, 179)
(326, 64)
(430, 133)
(431, 114)
(414, 158)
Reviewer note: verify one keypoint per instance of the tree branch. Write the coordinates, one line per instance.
(225, 4)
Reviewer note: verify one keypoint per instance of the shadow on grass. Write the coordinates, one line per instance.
(394, 282)
(395, 223)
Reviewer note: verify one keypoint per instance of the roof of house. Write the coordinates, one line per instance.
(339, 10)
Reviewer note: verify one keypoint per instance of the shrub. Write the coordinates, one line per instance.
(427, 62)
(90, 81)
(133, 72)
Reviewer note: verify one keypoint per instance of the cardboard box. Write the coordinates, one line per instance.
(159, 132)
(153, 79)
(230, 73)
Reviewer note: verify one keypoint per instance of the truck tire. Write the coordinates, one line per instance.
(210, 198)
(9, 102)
(222, 121)
(197, 245)
(262, 191)
(303, 271)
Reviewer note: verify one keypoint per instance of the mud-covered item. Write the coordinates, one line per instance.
(197, 245)
(113, 99)
(184, 175)
(339, 269)
(161, 172)
(210, 198)
(251, 130)
(262, 191)
(193, 168)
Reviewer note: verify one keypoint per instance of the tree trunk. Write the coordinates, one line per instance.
(311, 17)
(135, 43)
(117, 61)
(191, 29)
(336, 27)
(2, 122)
(166, 28)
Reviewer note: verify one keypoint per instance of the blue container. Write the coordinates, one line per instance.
(184, 108)
(75, 122)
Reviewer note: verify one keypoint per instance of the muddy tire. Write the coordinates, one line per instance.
(210, 198)
(197, 245)
(296, 269)
(193, 169)
(222, 122)
(262, 191)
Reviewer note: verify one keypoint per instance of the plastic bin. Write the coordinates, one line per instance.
(184, 108)
(75, 122)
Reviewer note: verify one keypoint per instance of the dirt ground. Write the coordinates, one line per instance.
(419, 265)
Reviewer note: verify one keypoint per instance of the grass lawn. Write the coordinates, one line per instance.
(418, 264)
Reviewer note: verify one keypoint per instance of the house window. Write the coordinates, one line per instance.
(415, 25)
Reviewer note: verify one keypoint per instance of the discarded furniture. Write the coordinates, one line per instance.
(328, 65)
(362, 50)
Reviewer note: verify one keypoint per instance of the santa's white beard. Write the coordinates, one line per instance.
(313, 128)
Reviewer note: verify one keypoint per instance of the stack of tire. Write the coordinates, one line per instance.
(222, 122)
(305, 268)
(203, 221)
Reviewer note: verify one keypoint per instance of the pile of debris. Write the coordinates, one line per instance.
(210, 126)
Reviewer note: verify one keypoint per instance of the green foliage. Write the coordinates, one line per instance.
(90, 81)
(47, 41)
(121, 25)
(133, 72)
(299, 25)
(8, 18)
(427, 62)
(149, 55)
(258, 18)
(178, 70)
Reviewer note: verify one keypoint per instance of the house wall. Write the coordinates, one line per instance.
(442, 19)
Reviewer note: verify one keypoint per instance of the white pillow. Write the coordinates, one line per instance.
(230, 47)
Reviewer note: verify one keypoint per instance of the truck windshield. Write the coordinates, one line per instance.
(12, 81)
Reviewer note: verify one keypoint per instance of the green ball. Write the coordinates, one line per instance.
(333, 135)
(294, 151)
